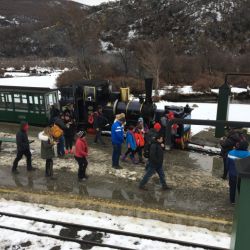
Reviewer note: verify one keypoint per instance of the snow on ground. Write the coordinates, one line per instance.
(92, 2)
(13, 240)
(208, 111)
(233, 90)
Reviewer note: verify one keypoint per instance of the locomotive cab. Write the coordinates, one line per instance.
(86, 96)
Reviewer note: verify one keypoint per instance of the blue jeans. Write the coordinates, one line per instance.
(117, 149)
(150, 171)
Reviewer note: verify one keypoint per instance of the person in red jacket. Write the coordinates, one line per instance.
(140, 142)
(81, 152)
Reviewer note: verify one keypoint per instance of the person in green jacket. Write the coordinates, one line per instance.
(47, 149)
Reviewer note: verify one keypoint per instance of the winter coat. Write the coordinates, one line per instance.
(130, 140)
(230, 142)
(69, 130)
(117, 133)
(156, 155)
(139, 138)
(150, 136)
(99, 120)
(47, 149)
(81, 148)
(22, 141)
(232, 156)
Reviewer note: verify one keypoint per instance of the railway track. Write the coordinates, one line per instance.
(97, 229)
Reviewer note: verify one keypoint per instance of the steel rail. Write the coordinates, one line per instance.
(117, 232)
(63, 238)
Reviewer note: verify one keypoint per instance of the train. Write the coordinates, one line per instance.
(86, 96)
(32, 97)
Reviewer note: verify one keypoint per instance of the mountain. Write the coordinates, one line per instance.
(226, 22)
(28, 27)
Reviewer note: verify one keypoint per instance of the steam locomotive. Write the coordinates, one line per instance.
(86, 96)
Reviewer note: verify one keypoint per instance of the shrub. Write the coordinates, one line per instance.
(206, 82)
(69, 77)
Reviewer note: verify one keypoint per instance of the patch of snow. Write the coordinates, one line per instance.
(10, 69)
(15, 74)
(238, 90)
(186, 90)
(2, 17)
(131, 34)
(105, 46)
(233, 90)
(92, 2)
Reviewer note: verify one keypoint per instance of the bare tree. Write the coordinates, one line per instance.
(152, 55)
(83, 33)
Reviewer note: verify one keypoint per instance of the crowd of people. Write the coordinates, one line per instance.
(143, 146)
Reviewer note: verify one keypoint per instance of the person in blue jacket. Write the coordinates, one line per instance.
(117, 137)
(240, 152)
(131, 145)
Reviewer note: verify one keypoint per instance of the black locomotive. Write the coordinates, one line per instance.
(87, 95)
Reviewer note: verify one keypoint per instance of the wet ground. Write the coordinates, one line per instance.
(197, 188)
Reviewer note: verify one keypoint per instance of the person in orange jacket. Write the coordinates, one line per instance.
(140, 142)
(81, 152)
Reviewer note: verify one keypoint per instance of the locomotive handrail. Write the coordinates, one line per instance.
(200, 122)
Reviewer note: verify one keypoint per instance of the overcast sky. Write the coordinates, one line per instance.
(92, 2)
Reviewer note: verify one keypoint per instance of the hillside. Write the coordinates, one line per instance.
(227, 22)
(203, 38)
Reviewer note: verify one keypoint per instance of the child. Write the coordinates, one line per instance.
(81, 152)
(68, 134)
(131, 145)
(140, 142)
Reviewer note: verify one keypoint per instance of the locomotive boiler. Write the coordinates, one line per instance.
(86, 96)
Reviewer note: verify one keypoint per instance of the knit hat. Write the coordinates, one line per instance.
(170, 115)
(157, 126)
(243, 145)
(81, 133)
(24, 125)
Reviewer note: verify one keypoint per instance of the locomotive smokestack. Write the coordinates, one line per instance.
(148, 89)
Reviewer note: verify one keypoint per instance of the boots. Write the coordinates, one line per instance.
(49, 169)
(141, 160)
(123, 158)
(134, 161)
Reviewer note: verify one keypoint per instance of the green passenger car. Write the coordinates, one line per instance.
(31, 104)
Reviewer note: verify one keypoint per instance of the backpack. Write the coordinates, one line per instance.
(146, 152)
(149, 138)
(56, 131)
